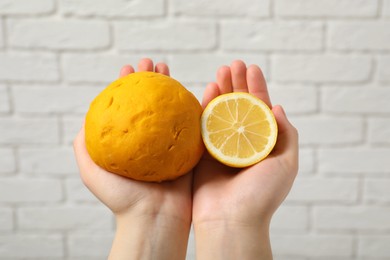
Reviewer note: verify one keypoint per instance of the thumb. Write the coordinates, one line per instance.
(287, 144)
(284, 125)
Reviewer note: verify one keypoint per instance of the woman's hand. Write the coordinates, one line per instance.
(232, 208)
(153, 219)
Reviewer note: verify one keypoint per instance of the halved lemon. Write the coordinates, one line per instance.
(238, 129)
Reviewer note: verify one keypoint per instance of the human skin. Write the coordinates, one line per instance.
(230, 208)
(153, 220)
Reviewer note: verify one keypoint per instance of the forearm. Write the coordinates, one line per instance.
(149, 237)
(232, 241)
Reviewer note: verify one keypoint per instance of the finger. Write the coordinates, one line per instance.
(238, 69)
(284, 125)
(287, 144)
(162, 68)
(211, 92)
(126, 70)
(145, 64)
(257, 84)
(224, 79)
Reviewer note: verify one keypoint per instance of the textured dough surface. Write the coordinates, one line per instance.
(145, 126)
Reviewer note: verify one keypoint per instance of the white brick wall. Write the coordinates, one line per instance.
(182, 65)
(22, 246)
(47, 161)
(383, 67)
(321, 68)
(50, 34)
(326, 61)
(21, 7)
(24, 130)
(166, 35)
(386, 8)
(271, 36)
(30, 190)
(4, 99)
(112, 8)
(52, 100)
(28, 66)
(365, 35)
(1, 35)
(229, 8)
(326, 8)
(7, 160)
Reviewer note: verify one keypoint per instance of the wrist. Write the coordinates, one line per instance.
(232, 240)
(150, 236)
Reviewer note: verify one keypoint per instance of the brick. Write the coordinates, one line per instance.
(306, 161)
(354, 161)
(76, 191)
(328, 130)
(2, 37)
(383, 68)
(106, 67)
(109, 8)
(7, 160)
(324, 190)
(31, 246)
(320, 68)
(326, 8)
(53, 99)
(71, 127)
(58, 34)
(30, 190)
(367, 35)
(271, 36)
(374, 246)
(376, 190)
(6, 219)
(165, 35)
(4, 100)
(290, 218)
(356, 100)
(309, 245)
(31, 7)
(351, 218)
(386, 8)
(64, 218)
(89, 245)
(295, 99)
(182, 65)
(28, 67)
(230, 8)
(379, 130)
(52, 161)
(28, 131)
